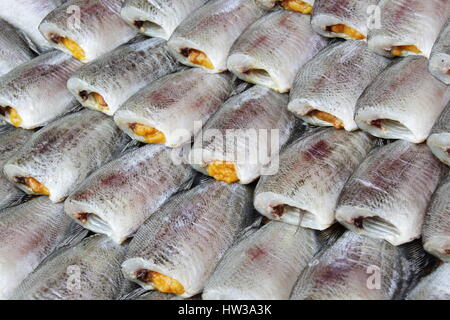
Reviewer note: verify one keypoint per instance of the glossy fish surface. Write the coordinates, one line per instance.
(439, 139)
(440, 57)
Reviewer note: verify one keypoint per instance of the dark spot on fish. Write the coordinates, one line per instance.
(185, 52)
(377, 123)
(448, 152)
(139, 24)
(3, 111)
(277, 210)
(114, 179)
(132, 126)
(256, 252)
(20, 180)
(334, 272)
(54, 37)
(447, 251)
(261, 41)
(319, 150)
(84, 95)
(142, 275)
(83, 217)
(358, 222)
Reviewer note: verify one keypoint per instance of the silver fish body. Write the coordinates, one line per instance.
(187, 237)
(241, 141)
(119, 197)
(109, 81)
(158, 18)
(29, 233)
(36, 90)
(403, 102)
(271, 51)
(408, 27)
(387, 197)
(436, 229)
(264, 265)
(435, 286)
(89, 270)
(60, 156)
(327, 88)
(205, 38)
(86, 29)
(312, 174)
(439, 139)
(439, 63)
(173, 104)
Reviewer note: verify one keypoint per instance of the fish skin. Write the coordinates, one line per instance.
(174, 103)
(26, 15)
(64, 153)
(97, 259)
(37, 89)
(439, 139)
(99, 29)
(127, 191)
(436, 228)
(392, 187)
(333, 81)
(279, 44)
(435, 286)
(213, 29)
(407, 96)
(163, 16)
(312, 174)
(257, 108)
(439, 63)
(172, 242)
(400, 21)
(29, 233)
(123, 72)
(247, 270)
(13, 48)
(352, 13)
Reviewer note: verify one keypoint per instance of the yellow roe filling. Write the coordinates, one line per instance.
(342, 28)
(399, 50)
(100, 101)
(223, 171)
(150, 134)
(74, 48)
(199, 58)
(165, 284)
(35, 186)
(325, 116)
(297, 5)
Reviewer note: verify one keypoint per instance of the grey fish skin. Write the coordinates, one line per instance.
(11, 141)
(158, 18)
(435, 286)
(29, 233)
(64, 153)
(247, 269)
(120, 74)
(120, 196)
(89, 270)
(332, 82)
(37, 91)
(186, 239)
(439, 63)
(436, 228)
(408, 23)
(338, 13)
(26, 15)
(212, 30)
(235, 135)
(439, 139)
(94, 28)
(271, 51)
(387, 197)
(312, 174)
(13, 48)
(173, 104)
(403, 102)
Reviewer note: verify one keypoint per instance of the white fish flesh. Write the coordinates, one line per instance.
(440, 57)
(439, 139)
(435, 286)
(302, 6)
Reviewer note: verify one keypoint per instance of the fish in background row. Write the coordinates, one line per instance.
(439, 139)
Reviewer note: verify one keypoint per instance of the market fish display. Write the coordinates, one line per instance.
(436, 229)
(440, 57)
(89, 270)
(408, 27)
(312, 174)
(178, 248)
(435, 286)
(86, 29)
(35, 93)
(327, 88)
(205, 38)
(240, 141)
(173, 109)
(403, 102)
(109, 81)
(13, 48)
(119, 197)
(439, 139)
(28, 234)
(158, 18)
(60, 156)
(264, 265)
(302, 6)
(387, 196)
(271, 51)
(26, 15)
